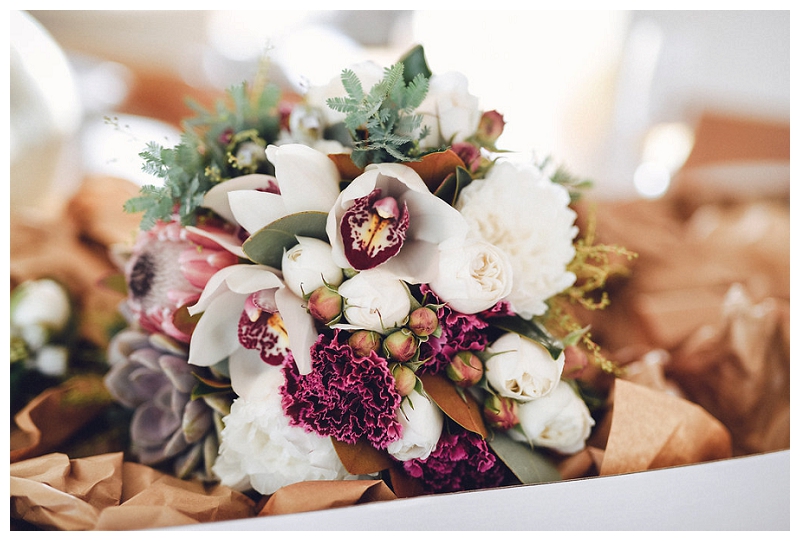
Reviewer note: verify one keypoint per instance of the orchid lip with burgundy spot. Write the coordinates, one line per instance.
(373, 230)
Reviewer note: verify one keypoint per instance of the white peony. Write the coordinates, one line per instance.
(473, 275)
(522, 369)
(522, 212)
(559, 421)
(449, 110)
(422, 422)
(375, 300)
(260, 450)
(309, 265)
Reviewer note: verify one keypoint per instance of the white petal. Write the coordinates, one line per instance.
(247, 372)
(401, 172)
(213, 287)
(251, 278)
(254, 210)
(224, 240)
(417, 262)
(216, 335)
(216, 198)
(432, 219)
(308, 179)
(299, 326)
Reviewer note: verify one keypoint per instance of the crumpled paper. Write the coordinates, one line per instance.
(105, 493)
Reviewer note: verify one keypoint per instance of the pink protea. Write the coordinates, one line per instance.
(167, 271)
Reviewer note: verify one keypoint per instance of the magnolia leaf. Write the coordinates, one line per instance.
(266, 245)
(463, 409)
(344, 163)
(451, 188)
(435, 167)
(414, 63)
(183, 321)
(529, 466)
(403, 485)
(361, 458)
(529, 329)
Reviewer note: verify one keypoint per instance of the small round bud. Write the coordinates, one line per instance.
(404, 379)
(325, 305)
(401, 345)
(465, 369)
(423, 321)
(500, 412)
(363, 342)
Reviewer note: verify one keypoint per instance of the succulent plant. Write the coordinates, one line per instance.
(172, 424)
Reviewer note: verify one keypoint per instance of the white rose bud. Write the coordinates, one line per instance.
(449, 110)
(422, 422)
(522, 369)
(560, 421)
(42, 303)
(375, 300)
(309, 265)
(473, 275)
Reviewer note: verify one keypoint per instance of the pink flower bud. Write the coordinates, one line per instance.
(490, 126)
(575, 362)
(423, 321)
(325, 305)
(466, 369)
(401, 345)
(363, 342)
(469, 154)
(404, 379)
(500, 412)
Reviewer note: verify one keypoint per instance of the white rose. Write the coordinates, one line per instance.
(375, 300)
(559, 421)
(260, 450)
(473, 275)
(43, 303)
(422, 422)
(368, 73)
(449, 110)
(309, 265)
(522, 212)
(522, 369)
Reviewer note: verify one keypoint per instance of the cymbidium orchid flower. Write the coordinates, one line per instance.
(251, 318)
(388, 217)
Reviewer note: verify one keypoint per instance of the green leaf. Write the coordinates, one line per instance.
(529, 466)
(529, 329)
(450, 189)
(266, 245)
(415, 64)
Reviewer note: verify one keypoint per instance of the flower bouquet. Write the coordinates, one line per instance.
(358, 284)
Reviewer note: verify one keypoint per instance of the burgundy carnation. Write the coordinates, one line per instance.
(344, 396)
(460, 332)
(461, 461)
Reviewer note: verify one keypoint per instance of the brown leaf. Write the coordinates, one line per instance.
(436, 167)
(465, 411)
(183, 321)
(347, 169)
(361, 458)
(403, 485)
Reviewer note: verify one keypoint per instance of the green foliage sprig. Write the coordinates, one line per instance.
(382, 122)
(207, 152)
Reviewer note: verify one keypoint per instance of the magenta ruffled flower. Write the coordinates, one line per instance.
(345, 396)
(461, 461)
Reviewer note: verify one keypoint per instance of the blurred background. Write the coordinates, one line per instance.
(615, 95)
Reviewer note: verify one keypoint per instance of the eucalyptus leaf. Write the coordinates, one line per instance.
(266, 245)
(529, 329)
(529, 466)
